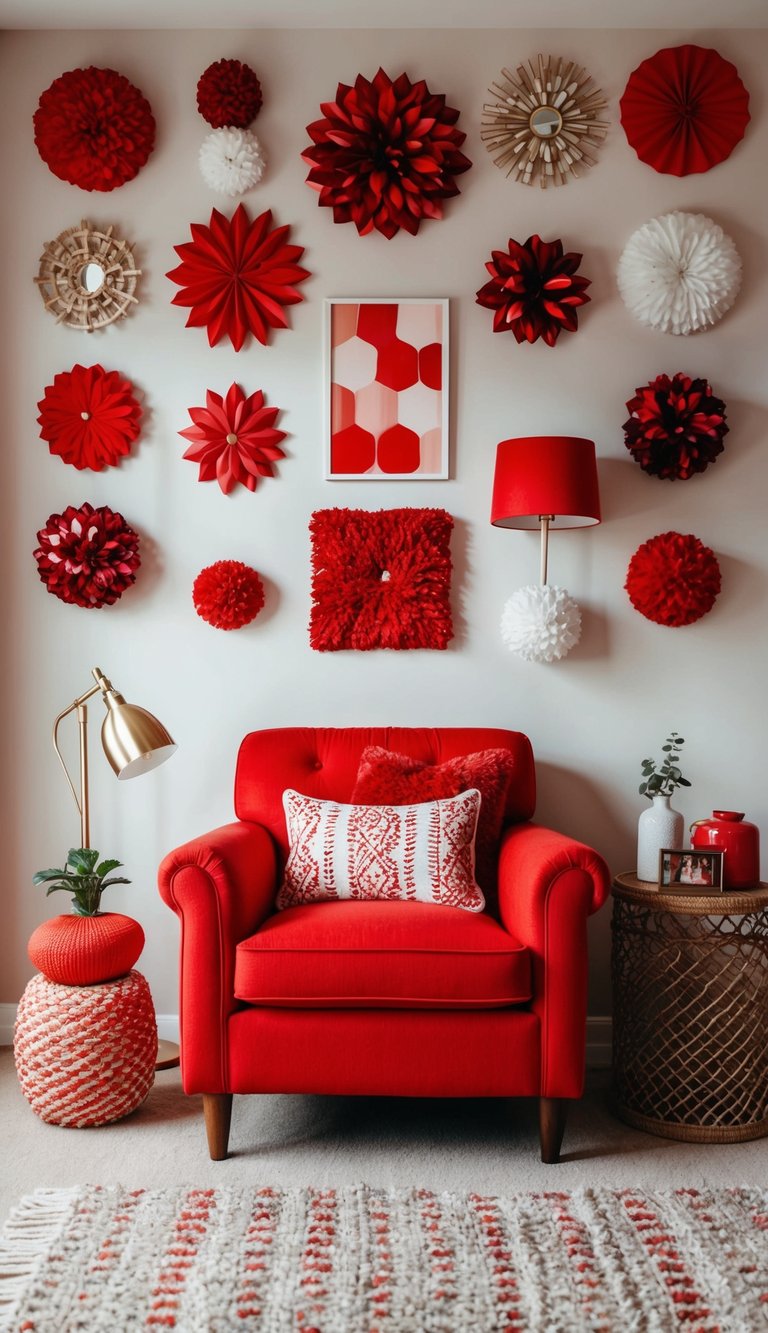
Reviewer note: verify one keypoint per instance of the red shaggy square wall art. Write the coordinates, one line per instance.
(380, 579)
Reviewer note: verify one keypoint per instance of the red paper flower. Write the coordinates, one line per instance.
(87, 557)
(89, 417)
(229, 95)
(233, 438)
(385, 154)
(228, 594)
(236, 275)
(94, 129)
(534, 290)
(673, 579)
(676, 428)
(684, 109)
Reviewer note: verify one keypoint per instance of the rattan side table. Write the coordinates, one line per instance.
(690, 1012)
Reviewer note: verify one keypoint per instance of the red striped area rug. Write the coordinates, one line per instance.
(367, 1260)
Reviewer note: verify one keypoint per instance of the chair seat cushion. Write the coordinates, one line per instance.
(382, 955)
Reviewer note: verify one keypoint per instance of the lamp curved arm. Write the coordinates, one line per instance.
(81, 802)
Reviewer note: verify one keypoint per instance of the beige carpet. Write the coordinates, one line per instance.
(486, 1146)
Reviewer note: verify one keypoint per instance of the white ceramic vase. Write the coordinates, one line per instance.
(658, 826)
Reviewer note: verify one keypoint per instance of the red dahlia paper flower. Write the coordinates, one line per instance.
(87, 557)
(534, 290)
(89, 417)
(228, 594)
(673, 579)
(94, 129)
(385, 154)
(236, 276)
(676, 427)
(229, 95)
(234, 439)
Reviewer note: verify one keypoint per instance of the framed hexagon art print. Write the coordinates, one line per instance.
(386, 379)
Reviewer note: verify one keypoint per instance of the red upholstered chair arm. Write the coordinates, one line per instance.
(548, 886)
(222, 886)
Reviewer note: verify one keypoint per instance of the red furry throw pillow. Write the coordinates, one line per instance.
(385, 778)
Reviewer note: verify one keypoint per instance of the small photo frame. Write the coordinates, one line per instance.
(689, 870)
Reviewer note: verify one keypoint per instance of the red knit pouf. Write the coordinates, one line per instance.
(85, 1055)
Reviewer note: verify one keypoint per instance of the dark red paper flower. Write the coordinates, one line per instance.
(673, 579)
(385, 154)
(234, 439)
(534, 290)
(94, 129)
(684, 109)
(676, 427)
(87, 557)
(236, 276)
(229, 95)
(89, 417)
(228, 594)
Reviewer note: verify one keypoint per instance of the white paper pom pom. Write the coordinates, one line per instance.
(231, 161)
(679, 273)
(541, 623)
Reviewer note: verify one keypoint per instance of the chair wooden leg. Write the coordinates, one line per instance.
(552, 1114)
(217, 1108)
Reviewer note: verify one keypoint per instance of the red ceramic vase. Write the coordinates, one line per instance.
(728, 831)
(86, 950)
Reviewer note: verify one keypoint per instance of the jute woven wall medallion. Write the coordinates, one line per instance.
(544, 122)
(87, 278)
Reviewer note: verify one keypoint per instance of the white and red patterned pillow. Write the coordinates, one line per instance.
(423, 852)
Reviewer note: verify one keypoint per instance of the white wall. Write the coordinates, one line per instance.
(591, 717)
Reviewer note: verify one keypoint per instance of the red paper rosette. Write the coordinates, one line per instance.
(385, 154)
(673, 579)
(89, 417)
(228, 594)
(87, 557)
(94, 129)
(684, 110)
(229, 95)
(234, 438)
(676, 427)
(236, 276)
(534, 290)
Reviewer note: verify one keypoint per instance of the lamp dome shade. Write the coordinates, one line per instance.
(134, 740)
(553, 475)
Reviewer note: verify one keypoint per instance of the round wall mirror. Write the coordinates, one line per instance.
(91, 277)
(87, 278)
(546, 122)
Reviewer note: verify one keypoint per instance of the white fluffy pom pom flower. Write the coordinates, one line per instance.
(679, 273)
(540, 623)
(231, 161)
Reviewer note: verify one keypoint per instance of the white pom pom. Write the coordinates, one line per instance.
(231, 161)
(679, 273)
(541, 623)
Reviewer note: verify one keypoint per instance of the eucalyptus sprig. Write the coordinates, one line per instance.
(661, 780)
(84, 876)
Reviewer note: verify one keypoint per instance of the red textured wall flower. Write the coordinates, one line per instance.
(229, 95)
(236, 276)
(93, 128)
(234, 438)
(228, 594)
(89, 417)
(534, 290)
(676, 426)
(385, 154)
(673, 579)
(87, 557)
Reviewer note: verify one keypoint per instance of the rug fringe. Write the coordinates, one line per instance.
(36, 1221)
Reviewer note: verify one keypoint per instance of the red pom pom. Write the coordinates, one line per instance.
(676, 428)
(228, 594)
(234, 438)
(534, 290)
(89, 417)
(229, 95)
(87, 557)
(385, 154)
(673, 579)
(94, 129)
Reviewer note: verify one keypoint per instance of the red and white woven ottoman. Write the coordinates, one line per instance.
(85, 1055)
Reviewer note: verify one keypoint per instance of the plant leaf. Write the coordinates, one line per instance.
(105, 867)
(54, 888)
(43, 876)
(82, 859)
(116, 879)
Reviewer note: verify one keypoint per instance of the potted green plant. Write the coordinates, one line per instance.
(86, 946)
(660, 825)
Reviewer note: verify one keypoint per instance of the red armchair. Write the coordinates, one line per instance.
(379, 998)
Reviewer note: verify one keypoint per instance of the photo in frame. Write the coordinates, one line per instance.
(386, 389)
(689, 870)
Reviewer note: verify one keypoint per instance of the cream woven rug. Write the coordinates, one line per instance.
(365, 1260)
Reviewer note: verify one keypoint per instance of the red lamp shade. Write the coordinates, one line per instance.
(545, 474)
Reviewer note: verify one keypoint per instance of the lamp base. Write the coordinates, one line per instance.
(167, 1055)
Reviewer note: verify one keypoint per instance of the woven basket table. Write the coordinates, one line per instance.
(690, 1012)
(85, 1055)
